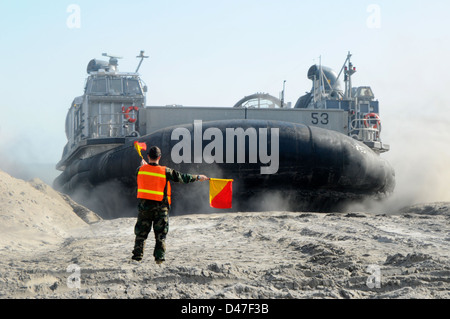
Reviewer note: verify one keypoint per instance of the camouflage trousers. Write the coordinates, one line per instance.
(148, 216)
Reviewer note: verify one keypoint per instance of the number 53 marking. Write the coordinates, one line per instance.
(322, 118)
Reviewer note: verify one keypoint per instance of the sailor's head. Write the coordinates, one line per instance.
(154, 153)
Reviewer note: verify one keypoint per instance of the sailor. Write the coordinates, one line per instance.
(154, 194)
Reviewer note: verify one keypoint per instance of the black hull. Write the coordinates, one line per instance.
(318, 170)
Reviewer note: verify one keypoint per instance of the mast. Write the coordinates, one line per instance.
(282, 94)
(142, 56)
(348, 72)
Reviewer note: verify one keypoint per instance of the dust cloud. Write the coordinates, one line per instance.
(109, 200)
(24, 158)
(421, 160)
(420, 155)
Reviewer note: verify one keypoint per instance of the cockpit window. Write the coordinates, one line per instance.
(365, 92)
(132, 87)
(98, 86)
(115, 86)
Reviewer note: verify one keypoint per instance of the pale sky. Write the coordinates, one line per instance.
(213, 53)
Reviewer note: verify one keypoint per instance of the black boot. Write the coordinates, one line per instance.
(138, 251)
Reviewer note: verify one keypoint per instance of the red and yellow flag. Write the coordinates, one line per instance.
(220, 192)
(139, 147)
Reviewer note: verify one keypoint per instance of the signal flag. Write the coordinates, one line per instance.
(220, 193)
(139, 147)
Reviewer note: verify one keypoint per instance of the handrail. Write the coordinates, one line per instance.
(358, 131)
(120, 127)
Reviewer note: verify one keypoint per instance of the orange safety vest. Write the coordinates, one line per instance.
(151, 181)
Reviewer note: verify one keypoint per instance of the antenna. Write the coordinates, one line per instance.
(111, 56)
(142, 56)
(113, 60)
(282, 94)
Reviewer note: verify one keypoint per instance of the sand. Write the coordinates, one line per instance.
(53, 248)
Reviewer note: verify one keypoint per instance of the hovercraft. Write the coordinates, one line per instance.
(318, 155)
